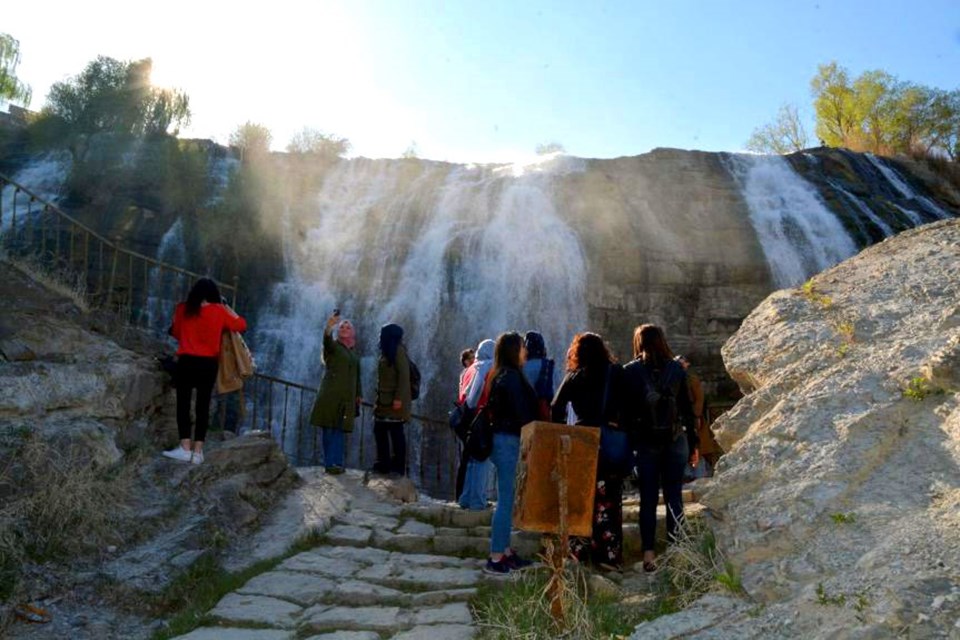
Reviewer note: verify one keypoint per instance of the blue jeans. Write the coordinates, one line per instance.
(506, 452)
(333, 447)
(474, 495)
(659, 467)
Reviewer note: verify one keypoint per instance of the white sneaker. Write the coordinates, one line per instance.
(197, 457)
(178, 453)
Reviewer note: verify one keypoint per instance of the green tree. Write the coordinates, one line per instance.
(785, 134)
(545, 148)
(252, 139)
(112, 95)
(833, 101)
(11, 88)
(312, 142)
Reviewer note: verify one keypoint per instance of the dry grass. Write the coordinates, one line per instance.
(59, 506)
(63, 281)
(693, 565)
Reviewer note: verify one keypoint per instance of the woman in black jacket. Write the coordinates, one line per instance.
(593, 385)
(512, 404)
(660, 413)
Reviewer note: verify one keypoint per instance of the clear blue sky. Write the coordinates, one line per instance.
(489, 80)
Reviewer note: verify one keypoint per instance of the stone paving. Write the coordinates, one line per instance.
(384, 570)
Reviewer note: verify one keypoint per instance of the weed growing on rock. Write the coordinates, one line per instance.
(810, 292)
(843, 518)
(693, 565)
(918, 389)
(62, 281)
(838, 600)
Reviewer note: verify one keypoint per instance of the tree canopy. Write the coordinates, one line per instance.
(252, 138)
(785, 134)
(117, 96)
(880, 113)
(11, 88)
(545, 148)
(312, 142)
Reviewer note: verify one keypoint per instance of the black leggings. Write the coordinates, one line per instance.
(385, 433)
(194, 372)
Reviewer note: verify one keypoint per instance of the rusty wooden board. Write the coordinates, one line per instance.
(537, 507)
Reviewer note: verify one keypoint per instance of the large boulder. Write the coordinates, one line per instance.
(839, 497)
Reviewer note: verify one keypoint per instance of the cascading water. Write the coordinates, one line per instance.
(453, 254)
(45, 176)
(799, 235)
(905, 190)
(885, 228)
(166, 287)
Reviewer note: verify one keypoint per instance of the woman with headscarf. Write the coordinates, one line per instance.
(197, 326)
(473, 494)
(539, 371)
(661, 414)
(593, 384)
(338, 398)
(392, 409)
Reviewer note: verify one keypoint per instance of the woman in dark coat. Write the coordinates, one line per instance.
(339, 395)
(593, 385)
(660, 412)
(392, 409)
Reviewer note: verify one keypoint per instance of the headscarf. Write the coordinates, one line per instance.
(390, 337)
(533, 343)
(348, 341)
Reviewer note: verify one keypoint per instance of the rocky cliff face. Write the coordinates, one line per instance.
(839, 497)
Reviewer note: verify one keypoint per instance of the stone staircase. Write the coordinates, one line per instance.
(384, 570)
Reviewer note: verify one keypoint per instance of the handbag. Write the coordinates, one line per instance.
(615, 454)
(478, 442)
(459, 420)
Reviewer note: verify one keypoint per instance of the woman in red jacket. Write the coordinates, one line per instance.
(197, 326)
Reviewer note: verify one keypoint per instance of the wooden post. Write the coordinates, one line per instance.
(558, 560)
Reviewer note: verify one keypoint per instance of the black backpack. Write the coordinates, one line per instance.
(414, 380)
(662, 402)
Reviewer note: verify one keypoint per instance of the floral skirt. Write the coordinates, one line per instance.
(606, 544)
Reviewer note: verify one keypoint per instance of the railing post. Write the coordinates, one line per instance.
(236, 289)
(113, 271)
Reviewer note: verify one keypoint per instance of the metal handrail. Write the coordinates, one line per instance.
(282, 407)
(31, 239)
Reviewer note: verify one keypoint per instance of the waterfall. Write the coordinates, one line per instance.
(864, 209)
(45, 176)
(904, 189)
(799, 235)
(454, 254)
(166, 288)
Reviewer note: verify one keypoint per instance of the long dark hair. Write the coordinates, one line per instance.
(650, 345)
(533, 343)
(390, 337)
(588, 351)
(205, 290)
(507, 354)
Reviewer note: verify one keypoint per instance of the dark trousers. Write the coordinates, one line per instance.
(387, 433)
(661, 467)
(194, 372)
(461, 471)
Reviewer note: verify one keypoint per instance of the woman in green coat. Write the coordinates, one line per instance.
(393, 402)
(338, 398)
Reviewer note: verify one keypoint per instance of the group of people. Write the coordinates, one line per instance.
(648, 412)
(650, 417)
(198, 324)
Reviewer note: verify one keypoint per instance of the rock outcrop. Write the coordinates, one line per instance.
(839, 497)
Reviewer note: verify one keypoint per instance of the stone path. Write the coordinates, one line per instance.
(385, 570)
